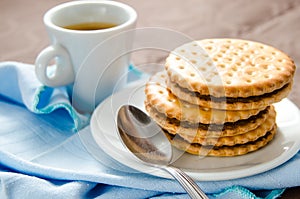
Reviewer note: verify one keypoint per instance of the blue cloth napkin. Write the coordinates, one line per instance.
(42, 155)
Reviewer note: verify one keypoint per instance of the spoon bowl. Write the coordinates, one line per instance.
(147, 141)
(133, 125)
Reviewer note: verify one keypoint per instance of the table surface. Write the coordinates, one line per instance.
(274, 22)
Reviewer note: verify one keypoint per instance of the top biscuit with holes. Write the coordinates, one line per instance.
(229, 68)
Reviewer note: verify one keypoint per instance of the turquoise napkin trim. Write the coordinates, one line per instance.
(21, 86)
(245, 193)
(43, 92)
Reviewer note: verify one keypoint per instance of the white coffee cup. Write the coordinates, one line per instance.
(79, 54)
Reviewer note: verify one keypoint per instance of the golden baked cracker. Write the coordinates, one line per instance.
(160, 97)
(229, 67)
(245, 137)
(232, 140)
(240, 149)
(254, 102)
(174, 126)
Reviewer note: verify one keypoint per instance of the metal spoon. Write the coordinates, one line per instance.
(145, 139)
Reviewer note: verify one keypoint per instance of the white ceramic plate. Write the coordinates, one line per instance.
(284, 146)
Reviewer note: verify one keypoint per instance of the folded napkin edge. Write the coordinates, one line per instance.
(79, 122)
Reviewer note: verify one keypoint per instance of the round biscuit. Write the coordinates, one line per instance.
(224, 151)
(161, 98)
(174, 126)
(192, 97)
(246, 137)
(229, 67)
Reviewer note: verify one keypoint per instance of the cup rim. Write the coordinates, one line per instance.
(132, 16)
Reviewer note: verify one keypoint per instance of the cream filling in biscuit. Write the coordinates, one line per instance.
(224, 151)
(179, 138)
(217, 127)
(231, 100)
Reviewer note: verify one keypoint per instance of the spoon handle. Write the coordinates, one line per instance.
(186, 182)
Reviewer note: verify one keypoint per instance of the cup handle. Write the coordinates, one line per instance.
(63, 74)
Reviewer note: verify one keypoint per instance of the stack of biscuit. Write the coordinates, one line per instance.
(215, 96)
